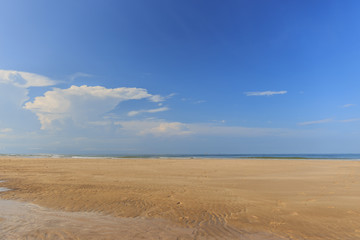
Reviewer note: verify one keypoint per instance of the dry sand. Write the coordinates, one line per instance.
(180, 199)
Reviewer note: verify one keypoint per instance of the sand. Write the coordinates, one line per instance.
(180, 198)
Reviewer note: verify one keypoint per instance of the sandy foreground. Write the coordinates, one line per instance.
(179, 199)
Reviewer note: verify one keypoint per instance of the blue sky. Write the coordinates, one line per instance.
(179, 76)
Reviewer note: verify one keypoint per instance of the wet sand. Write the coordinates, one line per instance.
(29, 221)
(179, 199)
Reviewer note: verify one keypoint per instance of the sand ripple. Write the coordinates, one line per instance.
(29, 221)
(180, 199)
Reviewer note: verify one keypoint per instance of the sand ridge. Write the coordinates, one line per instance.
(218, 198)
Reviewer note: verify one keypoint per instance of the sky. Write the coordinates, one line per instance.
(179, 77)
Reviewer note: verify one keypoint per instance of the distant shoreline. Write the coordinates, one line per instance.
(350, 156)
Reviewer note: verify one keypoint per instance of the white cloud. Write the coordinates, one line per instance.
(5, 130)
(157, 98)
(100, 123)
(348, 105)
(24, 79)
(170, 95)
(81, 104)
(239, 131)
(78, 75)
(155, 127)
(14, 92)
(12, 97)
(265, 93)
(219, 121)
(133, 113)
(329, 120)
(316, 122)
(14, 87)
(163, 128)
(351, 120)
(169, 128)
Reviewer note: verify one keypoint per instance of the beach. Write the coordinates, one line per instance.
(133, 198)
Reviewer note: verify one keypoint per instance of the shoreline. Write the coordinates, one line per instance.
(352, 156)
(290, 199)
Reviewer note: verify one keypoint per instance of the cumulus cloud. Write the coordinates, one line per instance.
(316, 122)
(14, 88)
(24, 79)
(82, 103)
(133, 113)
(11, 98)
(265, 93)
(14, 92)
